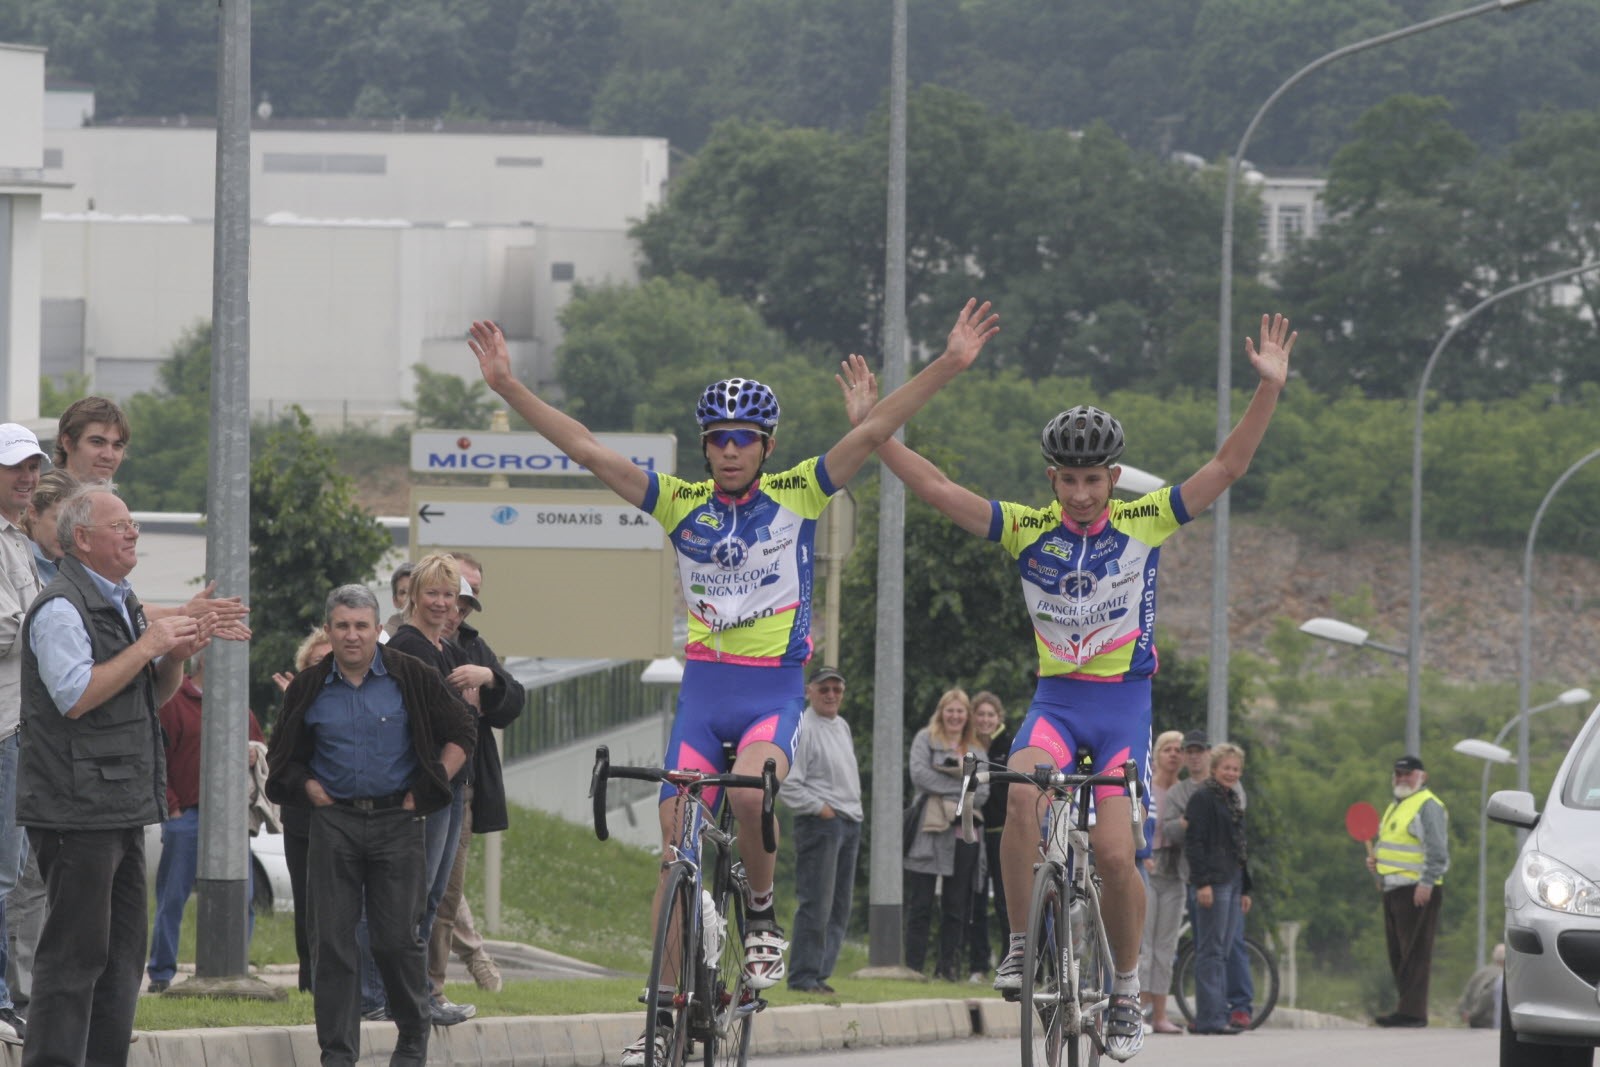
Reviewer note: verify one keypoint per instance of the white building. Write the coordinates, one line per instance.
(1291, 211)
(374, 245)
(22, 188)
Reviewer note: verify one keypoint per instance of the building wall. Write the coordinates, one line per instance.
(21, 183)
(360, 270)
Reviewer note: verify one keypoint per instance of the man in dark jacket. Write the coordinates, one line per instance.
(369, 740)
(91, 774)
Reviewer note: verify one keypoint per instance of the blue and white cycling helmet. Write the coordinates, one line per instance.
(1083, 436)
(737, 400)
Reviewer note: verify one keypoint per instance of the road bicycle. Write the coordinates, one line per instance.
(1263, 977)
(1067, 968)
(697, 960)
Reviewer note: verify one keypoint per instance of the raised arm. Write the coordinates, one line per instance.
(961, 506)
(973, 328)
(565, 432)
(1271, 362)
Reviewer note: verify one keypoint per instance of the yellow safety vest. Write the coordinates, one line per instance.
(1399, 851)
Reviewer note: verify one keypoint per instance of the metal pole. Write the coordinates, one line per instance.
(1217, 689)
(885, 945)
(1414, 642)
(222, 930)
(1526, 643)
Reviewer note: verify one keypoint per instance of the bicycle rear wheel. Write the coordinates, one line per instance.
(730, 1003)
(1263, 979)
(669, 990)
(1043, 1012)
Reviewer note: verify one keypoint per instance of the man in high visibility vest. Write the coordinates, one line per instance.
(1411, 856)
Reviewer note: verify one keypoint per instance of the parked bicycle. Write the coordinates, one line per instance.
(697, 961)
(1263, 977)
(1067, 967)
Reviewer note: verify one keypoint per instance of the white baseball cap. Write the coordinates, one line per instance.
(17, 443)
(469, 597)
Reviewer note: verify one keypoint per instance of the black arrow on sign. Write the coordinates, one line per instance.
(426, 515)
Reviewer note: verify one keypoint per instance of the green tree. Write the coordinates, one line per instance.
(562, 52)
(169, 430)
(307, 535)
(54, 399)
(449, 402)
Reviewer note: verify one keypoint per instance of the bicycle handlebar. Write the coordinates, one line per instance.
(693, 781)
(1048, 778)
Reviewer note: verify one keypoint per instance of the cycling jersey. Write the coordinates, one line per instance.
(746, 565)
(1091, 591)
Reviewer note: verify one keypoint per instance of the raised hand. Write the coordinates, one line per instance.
(973, 328)
(229, 610)
(282, 679)
(1271, 360)
(859, 386)
(494, 358)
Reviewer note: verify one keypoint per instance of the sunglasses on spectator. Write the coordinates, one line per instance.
(739, 438)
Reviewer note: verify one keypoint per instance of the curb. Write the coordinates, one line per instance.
(596, 1040)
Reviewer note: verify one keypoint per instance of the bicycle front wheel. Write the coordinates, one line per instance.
(669, 990)
(730, 1002)
(1043, 1010)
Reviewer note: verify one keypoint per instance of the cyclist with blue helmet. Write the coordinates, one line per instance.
(1087, 564)
(743, 540)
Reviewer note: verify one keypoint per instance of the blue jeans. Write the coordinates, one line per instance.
(175, 875)
(442, 835)
(824, 884)
(1214, 930)
(13, 848)
(1241, 984)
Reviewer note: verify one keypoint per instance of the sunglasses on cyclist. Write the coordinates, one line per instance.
(739, 438)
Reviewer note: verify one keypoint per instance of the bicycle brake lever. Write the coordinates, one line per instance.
(597, 790)
(769, 792)
(1130, 774)
(969, 767)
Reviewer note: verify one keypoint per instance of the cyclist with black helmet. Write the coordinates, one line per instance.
(1088, 569)
(743, 538)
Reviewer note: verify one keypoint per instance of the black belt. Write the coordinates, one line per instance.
(393, 800)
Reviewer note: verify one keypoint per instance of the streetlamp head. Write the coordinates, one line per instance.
(663, 671)
(1483, 750)
(1334, 630)
(1574, 696)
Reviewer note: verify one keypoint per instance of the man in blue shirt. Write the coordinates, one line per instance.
(91, 774)
(369, 741)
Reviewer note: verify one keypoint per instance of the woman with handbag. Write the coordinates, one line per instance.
(938, 850)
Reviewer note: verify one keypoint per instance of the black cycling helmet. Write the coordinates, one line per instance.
(1083, 436)
(737, 400)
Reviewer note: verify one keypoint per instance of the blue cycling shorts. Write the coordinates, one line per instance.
(1111, 718)
(734, 703)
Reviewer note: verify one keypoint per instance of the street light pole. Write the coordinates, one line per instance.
(1526, 651)
(1414, 667)
(1217, 692)
(1492, 754)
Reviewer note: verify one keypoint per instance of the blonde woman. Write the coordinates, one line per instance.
(938, 851)
(1163, 914)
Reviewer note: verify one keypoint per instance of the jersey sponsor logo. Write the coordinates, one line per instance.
(1143, 511)
(709, 518)
(793, 481)
(720, 625)
(1035, 522)
(733, 583)
(705, 607)
(730, 553)
(1109, 541)
(694, 491)
(1125, 579)
(1100, 551)
(1059, 549)
(689, 538)
(773, 550)
(1081, 648)
(1080, 615)
(1079, 585)
(1043, 570)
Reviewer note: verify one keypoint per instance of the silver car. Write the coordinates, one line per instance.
(1551, 1014)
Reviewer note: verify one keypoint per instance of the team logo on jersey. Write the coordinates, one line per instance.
(709, 518)
(1079, 585)
(730, 553)
(1059, 549)
(1043, 570)
(705, 607)
(690, 539)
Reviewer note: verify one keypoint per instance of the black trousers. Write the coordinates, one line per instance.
(1409, 931)
(955, 908)
(90, 960)
(377, 856)
(296, 852)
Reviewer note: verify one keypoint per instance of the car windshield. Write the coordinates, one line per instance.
(1582, 789)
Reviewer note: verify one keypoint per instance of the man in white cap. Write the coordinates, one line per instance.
(21, 459)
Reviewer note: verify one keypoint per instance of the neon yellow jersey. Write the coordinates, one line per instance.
(746, 565)
(1091, 591)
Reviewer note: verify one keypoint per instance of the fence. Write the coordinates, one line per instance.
(571, 702)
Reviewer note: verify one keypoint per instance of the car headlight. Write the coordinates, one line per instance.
(1552, 884)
